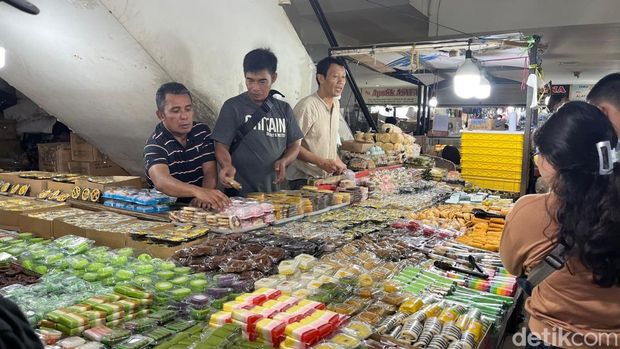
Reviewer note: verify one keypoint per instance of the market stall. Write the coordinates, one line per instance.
(495, 70)
(404, 261)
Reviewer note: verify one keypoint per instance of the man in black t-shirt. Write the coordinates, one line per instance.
(259, 163)
(179, 157)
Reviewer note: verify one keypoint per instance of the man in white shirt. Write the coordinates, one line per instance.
(319, 116)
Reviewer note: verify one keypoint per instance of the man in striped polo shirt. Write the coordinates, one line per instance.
(179, 157)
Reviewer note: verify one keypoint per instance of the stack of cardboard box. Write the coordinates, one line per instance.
(86, 159)
(54, 157)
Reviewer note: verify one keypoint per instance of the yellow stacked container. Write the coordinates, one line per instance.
(492, 159)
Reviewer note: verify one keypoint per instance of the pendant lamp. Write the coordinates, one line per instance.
(467, 77)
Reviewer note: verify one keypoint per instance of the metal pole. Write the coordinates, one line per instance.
(530, 114)
(428, 108)
(418, 129)
(424, 111)
(318, 11)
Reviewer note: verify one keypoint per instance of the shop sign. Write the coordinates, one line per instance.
(579, 92)
(391, 95)
(559, 89)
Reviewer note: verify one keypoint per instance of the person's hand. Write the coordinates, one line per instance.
(341, 166)
(199, 203)
(210, 198)
(227, 175)
(280, 168)
(328, 166)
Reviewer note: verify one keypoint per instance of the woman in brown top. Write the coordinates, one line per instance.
(577, 306)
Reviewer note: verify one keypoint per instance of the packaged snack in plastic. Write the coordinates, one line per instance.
(48, 336)
(411, 305)
(323, 269)
(244, 285)
(198, 301)
(71, 331)
(91, 345)
(158, 334)
(131, 291)
(391, 286)
(111, 309)
(67, 318)
(247, 319)
(298, 332)
(180, 325)
(390, 322)
(200, 314)
(135, 342)
(306, 262)
(451, 332)
(73, 245)
(345, 341)
(303, 293)
(269, 282)
(220, 319)
(232, 305)
(270, 330)
(225, 280)
(90, 314)
(358, 329)
(236, 265)
(288, 287)
(450, 314)
(288, 267)
(71, 342)
(342, 308)
(141, 325)
(394, 298)
(411, 331)
(328, 346)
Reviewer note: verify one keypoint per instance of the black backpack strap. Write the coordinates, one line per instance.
(256, 117)
(554, 261)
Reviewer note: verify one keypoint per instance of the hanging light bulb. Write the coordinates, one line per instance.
(467, 77)
(484, 89)
(2, 57)
(433, 101)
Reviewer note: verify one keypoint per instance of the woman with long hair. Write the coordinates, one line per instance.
(577, 305)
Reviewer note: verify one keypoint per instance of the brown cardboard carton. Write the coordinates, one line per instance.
(61, 228)
(11, 218)
(54, 157)
(84, 151)
(119, 181)
(107, 238)
(63, 187)
(38, 226)
(356, 147)
(97, 168)
(36, 185)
